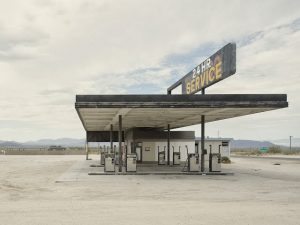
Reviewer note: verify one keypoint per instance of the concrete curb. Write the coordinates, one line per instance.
(164, 173)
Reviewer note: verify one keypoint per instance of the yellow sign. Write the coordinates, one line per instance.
(210, 74)
(219, 66)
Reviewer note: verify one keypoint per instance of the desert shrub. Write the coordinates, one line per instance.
(226, 160)
(275, 150)
(246, 152)
(291, 152)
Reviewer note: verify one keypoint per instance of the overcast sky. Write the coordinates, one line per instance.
(52, 50)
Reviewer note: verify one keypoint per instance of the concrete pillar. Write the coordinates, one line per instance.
(202, 142)
(86, 150)
(120, 143)
(168, 144)
(111, 137)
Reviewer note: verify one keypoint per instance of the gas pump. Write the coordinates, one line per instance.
(109, 164)
(176, 157)
(161, 156)
(102, 155)
(214, 161)
(185, 167)
(193, 162)
(131, 162)
(116, 154)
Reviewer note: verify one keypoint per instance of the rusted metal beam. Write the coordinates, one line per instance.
(180, 101)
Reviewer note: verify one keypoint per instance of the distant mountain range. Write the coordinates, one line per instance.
(13, 144)
(72, 142)
(250, 144)
(65, 142)
(260, 144)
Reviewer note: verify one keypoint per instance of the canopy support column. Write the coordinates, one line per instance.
(120, 143)
(168, 146)
(86, 150)
(202, 141)
(111, 137)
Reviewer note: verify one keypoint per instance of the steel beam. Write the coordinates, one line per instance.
(114, 120)
(161, 101)
(202, 137)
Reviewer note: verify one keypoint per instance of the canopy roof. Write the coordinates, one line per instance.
(98, 112)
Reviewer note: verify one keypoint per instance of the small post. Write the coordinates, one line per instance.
(120, 143)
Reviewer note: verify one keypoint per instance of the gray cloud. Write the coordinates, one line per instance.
(20, 44)
(100, 47)
(57, 91)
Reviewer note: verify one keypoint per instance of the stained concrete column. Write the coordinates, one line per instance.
(120, 143)
(202, 141)
(111, 137)
(168, 146)
(86, 150)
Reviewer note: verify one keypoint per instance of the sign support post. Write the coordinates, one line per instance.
(202, 138)
(217, 67)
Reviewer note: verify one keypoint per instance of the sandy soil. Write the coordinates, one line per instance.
(259, 193)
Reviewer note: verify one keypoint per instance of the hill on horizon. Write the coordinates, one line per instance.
(73, 142)
(250, 144)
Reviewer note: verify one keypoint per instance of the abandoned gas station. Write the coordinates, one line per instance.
(143, 124)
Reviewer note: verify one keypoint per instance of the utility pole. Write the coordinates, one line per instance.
(291, 143)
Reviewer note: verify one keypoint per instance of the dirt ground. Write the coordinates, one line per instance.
(258, 193)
